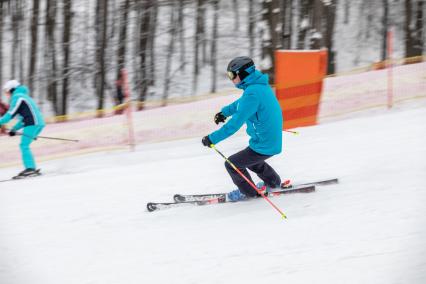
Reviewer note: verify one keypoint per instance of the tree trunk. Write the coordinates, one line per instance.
(370, 13)
(15, 42)
(100, 53)
(136, 32)
(346, 11)
(170, 50)
(214, 45)
(121, 54)
(304, 23)
(384, 29)
(236, 15)
(66, 45)
(330, 16)
(410, 49)
(21, 35)
(418, 32)
(181, 32)
(50, 54)
(271, 15)
(34, 41)
(197, 41)
(151, 43)
(251, 23)
(317, 36)
(146, 13)
(286, 23)
(203, 32)
(85, 63)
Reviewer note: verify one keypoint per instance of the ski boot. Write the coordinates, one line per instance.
(266, 189)
(28, 173)
(236, 195)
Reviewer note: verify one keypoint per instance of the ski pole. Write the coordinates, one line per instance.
(247, 180)
(45, 137)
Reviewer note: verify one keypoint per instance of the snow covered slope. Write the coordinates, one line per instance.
(85, 220)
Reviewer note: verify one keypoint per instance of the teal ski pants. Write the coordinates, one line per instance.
(28, 135)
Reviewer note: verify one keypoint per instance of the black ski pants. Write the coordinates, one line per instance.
(249, 159)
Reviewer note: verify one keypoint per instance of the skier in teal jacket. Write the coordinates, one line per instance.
(29, 118)
(259, 109)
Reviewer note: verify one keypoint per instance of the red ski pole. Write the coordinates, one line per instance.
(249, 181)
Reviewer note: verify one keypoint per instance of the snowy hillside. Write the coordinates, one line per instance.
(85, 220)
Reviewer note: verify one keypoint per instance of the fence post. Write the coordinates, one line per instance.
(390, 66)
(128, 110)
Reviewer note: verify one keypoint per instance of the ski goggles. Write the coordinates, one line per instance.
(232, 75)
(242, 71)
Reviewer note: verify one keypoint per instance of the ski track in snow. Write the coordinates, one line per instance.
(85, 220)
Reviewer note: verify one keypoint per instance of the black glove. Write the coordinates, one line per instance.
(206, 141)
(12, 133)
(219, 117)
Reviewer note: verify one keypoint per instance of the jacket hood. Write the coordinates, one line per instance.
(21, 89)
(255, 77)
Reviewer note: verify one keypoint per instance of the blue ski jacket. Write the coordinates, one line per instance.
(259, 109)
(22, 105)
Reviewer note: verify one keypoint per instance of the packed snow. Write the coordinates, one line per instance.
(85, 219)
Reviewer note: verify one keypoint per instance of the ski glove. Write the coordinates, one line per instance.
(206, 141)
(12, 133)
(219, 117)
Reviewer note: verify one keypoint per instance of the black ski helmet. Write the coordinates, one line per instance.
(238, 66)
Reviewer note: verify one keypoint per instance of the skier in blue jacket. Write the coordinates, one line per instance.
(259, 109)
(29, 118)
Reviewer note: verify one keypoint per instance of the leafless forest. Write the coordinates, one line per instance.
(72, 51)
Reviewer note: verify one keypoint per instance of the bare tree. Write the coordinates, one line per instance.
(236, 15)
(181, 32)
(21, 34)
(102, 21)
(251, 24)
(419, 33)
(84, 49)
(50, 54)
(34, 41)
(151, 43)
(214, 45)
(66, 45)
(286, 23)
(413, 28)
(384, 29)
(317, 36)
(121, 54)
(346, 11)
(304, 23)
(330, 16)
(367, 9)
(198, 38)
(146, 8)
(202, 26)
(170, 50)
(271, 16)
(15, 43)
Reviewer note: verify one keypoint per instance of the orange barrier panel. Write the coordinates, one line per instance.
(298, 82)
